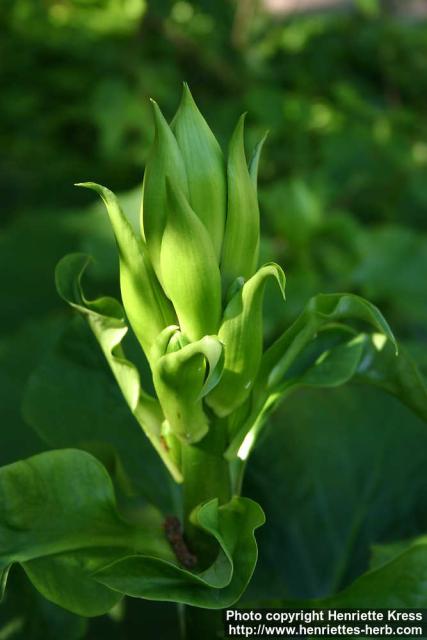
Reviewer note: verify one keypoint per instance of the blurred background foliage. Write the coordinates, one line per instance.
(343, 190)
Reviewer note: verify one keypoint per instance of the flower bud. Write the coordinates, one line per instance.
(147, 308)
(242, 336)
(190, 273)
(179, 376)
(241, 238)
(165, 159)
(205, 168)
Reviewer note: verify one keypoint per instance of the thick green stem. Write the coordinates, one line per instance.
(206, 476)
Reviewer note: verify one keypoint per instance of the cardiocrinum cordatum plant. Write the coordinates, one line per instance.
(192, 294)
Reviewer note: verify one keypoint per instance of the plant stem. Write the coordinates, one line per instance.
(206, 476)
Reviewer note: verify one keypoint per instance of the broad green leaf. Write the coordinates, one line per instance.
(219, 586)
(337, 471)
(146, 306)
(190, 272)
(241, 332)
(106, 319)
(241, 238)
(165, 159)
(181, 381)
(65, 579)
(383, 553)
(396, 584)
(399, 375)
(59, 507)
(205, 168)
(59, 520)
(27, 615)
(63, 403)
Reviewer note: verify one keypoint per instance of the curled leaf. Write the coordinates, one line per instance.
(280, 370)
(241, 332)
(146, 306)
(220, 585)
(320, 310)
(106, 319)
(205, 168)
(180, 380)
(328, 365)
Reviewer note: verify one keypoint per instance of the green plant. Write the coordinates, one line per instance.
(193, 297)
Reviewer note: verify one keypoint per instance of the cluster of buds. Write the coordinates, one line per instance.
(189, 283)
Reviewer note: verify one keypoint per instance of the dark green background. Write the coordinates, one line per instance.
(343, 194)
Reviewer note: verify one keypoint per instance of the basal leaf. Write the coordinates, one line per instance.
(337, 471)
(399, 583)
(59, 520)
(58, 509)
(26, 615)
(232, 525)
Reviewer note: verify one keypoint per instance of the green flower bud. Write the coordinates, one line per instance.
(205, 168)
(190, 273)
(241, 239)
(147, 308)
(165, 159)
(179, 376)
(242, 336)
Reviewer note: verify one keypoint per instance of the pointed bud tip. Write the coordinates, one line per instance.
(186, 93)
(187, 101)
(157, 113)
(239, 130)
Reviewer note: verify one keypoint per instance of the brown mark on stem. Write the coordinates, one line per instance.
(175, 536)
